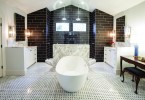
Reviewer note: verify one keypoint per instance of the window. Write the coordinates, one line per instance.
(62, 26)
(81, 27)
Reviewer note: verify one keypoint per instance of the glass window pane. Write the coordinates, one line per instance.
(62, 26)
(79, 27)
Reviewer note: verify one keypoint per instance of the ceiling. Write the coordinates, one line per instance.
(112, 7)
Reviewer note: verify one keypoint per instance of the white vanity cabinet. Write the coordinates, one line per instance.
(112, 56)
(30, 56)
(18, 59)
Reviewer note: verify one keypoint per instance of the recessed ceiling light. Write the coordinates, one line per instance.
(60, 2)
(78, 19)
(82, 2)
(63, 18)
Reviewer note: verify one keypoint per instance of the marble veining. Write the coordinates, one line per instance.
(61, 50)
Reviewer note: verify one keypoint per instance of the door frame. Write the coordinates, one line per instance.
(1, 50)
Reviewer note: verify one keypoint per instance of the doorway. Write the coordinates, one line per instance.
(1, 65)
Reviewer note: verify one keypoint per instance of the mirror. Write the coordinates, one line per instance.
(120, 23)
(20, 27)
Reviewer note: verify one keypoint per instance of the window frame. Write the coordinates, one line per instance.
(79, 23)
(62, 30)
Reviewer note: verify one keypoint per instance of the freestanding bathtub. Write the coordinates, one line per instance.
(71, 73)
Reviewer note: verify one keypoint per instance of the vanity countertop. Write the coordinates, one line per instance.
(110, 47)
(117, 47)
(30, 46)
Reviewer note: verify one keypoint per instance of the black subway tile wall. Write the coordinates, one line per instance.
(70, 37)
(38, 23)
(50, 34)
(102, 25)
(20, 27)
(92, 35)
(43, 24)
(120, 23)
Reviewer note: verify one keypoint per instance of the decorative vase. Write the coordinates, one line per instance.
(136, 50)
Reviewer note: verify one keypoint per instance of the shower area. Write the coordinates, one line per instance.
(71, 30)
(70, 36)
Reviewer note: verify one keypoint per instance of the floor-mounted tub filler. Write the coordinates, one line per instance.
(72, 73)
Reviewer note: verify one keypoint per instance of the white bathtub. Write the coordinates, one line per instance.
(71, 73)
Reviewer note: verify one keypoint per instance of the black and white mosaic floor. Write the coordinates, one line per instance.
(41, 84)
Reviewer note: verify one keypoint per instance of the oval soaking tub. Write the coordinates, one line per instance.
(71, 73)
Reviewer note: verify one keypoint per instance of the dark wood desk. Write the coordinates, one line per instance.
(135, 72)
(131, 60)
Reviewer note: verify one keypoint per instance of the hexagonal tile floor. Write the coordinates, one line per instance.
(41, 84)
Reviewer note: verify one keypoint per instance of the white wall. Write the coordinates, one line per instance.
(7, 15)
(135, 18)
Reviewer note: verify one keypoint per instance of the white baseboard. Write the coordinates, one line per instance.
(14, 73)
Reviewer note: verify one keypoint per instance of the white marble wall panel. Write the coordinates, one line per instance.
(61, 50)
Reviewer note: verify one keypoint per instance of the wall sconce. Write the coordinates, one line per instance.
(27, 33)
(10, 31)
(127, 31)
(112, 34)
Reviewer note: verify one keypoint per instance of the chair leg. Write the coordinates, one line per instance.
(137, 79)
(132, 78)
(123, 75)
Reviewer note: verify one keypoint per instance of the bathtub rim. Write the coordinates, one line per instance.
(85, 71)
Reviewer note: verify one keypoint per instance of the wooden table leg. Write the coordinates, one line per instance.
(123, 75)
(132, 78)
(135, 66)
(137, 79)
